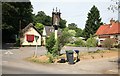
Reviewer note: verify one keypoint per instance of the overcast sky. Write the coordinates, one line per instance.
(75, 11)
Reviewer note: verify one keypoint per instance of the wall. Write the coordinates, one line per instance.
(34, 32)
(111, 36)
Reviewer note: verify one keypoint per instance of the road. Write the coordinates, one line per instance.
(13, 63)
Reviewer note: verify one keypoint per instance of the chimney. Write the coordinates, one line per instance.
(111, 21)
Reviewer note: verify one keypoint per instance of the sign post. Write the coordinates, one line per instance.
(36, 38)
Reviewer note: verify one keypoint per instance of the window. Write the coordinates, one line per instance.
(30, 38)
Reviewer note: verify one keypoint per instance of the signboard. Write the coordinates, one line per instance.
(36, 38)
(35, 52)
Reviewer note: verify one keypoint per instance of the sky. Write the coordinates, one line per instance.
(75, 11)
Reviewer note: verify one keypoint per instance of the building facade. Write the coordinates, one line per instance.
(111, 30)
(29, 34)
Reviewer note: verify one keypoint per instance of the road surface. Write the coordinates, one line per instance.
(13, 63)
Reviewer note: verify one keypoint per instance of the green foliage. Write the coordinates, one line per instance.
(108, 43)
(50, 56)
(63, 39)
(54, 46)
(46, 20)
(41, 17)
(72, 32)
(91, 42)
(62, 23)
(93, 22)
(72, 26)
(78, 32)
(17, 42)
(55, 49)
(50, 42)
(80, 42)
(12, 14)
(40, 27)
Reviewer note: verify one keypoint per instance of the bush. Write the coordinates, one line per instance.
(50, 42)
(80, 42)
(51, 58)
(17, 44)
(91, 42)
(54, 46)
(108, 43)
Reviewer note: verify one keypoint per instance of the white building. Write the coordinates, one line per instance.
(28, 36)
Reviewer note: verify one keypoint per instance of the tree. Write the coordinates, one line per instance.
(46, 20)
(72, 32)
(72, 26)
(41, 17)
(40, 27)
(78, 32)
(50, 42)
(93, 22)
(62, 23)
(63, 39)
(54, 46)
(15, 16)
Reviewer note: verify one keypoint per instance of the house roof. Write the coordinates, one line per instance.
(50, 29)
(106, 29)
(29, 26)
(114, 29)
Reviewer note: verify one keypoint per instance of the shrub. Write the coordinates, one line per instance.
(80, 42)
(108, 43)
(54, 46)
(91, 42)
(50, 42)
(17, 44)
(51, 58)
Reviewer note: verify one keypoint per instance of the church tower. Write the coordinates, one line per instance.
(56, 20)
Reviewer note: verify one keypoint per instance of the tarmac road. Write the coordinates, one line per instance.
(13, 63)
